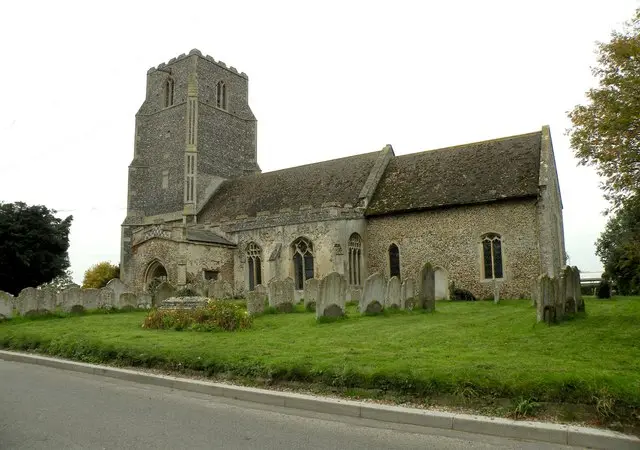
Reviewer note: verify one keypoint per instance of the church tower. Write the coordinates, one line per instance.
(194, 129)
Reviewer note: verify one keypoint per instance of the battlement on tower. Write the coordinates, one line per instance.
(198, 53)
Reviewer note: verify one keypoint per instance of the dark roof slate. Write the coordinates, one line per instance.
(206, 236)
(337, 181)
(466, 174)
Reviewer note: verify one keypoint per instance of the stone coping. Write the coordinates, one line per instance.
(523, 430)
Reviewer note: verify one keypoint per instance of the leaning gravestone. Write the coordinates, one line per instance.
(256, 300)
(393, 297)
(372, 301)
(28, 300)
(311, 287)
(408, 294)
(118, 288)
(162, 292)
(6, 305)
(427, 288)
(281, 295)
(332, 296)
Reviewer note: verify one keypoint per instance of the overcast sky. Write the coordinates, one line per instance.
(327, 79)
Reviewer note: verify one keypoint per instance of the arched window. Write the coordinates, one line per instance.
(221, 95)
(254, 260)
(355, 256)
(492, 256)
(302, 261)
(168, 92)
(394, 261)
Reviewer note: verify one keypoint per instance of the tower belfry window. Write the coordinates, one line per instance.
(221, 95)
(168, 92)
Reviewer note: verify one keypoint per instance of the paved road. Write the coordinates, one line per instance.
(44, 408)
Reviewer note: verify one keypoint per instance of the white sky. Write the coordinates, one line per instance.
(327, 79)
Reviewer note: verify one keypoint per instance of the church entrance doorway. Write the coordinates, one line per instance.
(156, 274)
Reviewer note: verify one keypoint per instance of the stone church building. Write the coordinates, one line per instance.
(199, 207)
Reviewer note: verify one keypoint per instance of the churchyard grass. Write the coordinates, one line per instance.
(474, 350)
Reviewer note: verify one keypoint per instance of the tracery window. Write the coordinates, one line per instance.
(355, 256)
(492, 256)
(221, 95)
(302, 261)
(394, 261)
(168, 92)
(254, 260)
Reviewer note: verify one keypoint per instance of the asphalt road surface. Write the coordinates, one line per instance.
(44, 408)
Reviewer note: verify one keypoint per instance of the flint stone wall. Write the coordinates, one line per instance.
(332, 296)
(373, 294)
(281, 294)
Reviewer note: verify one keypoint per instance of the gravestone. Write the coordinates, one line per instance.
(332, 296)
(393, 297)
(281, 294)
(372, 300)
(145, 300)
(28, 300)
(128, 300)
(47, 301)
(220, 290)
(118, 288)
(427, 288)
(408, 294)
(70, 298)
(569, 292)
(201, 288)
(6, 305)
(311, 287)
(580, 307)
(162, 292)
(256, 300)
(106, 298)
(90, 298)
(545, 305)
(560, 299)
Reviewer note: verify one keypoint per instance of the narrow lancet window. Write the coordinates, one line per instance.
(492, 256)
(302, 261)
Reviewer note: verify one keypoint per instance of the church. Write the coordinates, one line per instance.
(199, 208)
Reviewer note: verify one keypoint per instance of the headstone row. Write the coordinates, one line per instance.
(556, 297)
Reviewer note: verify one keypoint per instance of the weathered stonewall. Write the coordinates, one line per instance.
(578, 292)
(545, 300)
(106, 298)
(408, 294)
(332, 296)
(373, 294)
(311, 287)
(162, 292)
(427, 288)
(6, 305)
(118, 288)
(256, 300)
(28, 300)
(128, 300)
(281, 295)
(393, 297)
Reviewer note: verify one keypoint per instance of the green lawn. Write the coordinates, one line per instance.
(474, 348)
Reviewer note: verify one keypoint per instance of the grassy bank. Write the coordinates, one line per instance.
(470, 350)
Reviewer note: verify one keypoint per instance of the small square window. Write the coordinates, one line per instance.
(211, 275)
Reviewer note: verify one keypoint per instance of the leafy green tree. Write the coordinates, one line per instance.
(606, 131)
(619, 247)
(33, 246)
(98, 275)
(60, 283)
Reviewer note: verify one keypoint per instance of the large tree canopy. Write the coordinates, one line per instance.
(606, 131)
(98, 275)
(33, 246)
(619, 247)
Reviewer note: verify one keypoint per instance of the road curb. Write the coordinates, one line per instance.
(530, 431)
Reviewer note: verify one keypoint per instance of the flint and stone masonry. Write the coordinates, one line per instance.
(199, 208)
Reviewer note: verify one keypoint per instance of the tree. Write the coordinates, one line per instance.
(606, 131)
(98, 275)
(33, 246)
(60, 283)
(619, 247)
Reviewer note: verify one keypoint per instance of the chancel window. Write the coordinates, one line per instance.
(492, 256)
(302, 261)
(221, 95)
(394, 261)
(254, 261)
(355, 256)
(168, 92)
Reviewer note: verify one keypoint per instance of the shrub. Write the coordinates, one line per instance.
(215, 316)
(98, 275)
(463, 294)
(604, 289)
